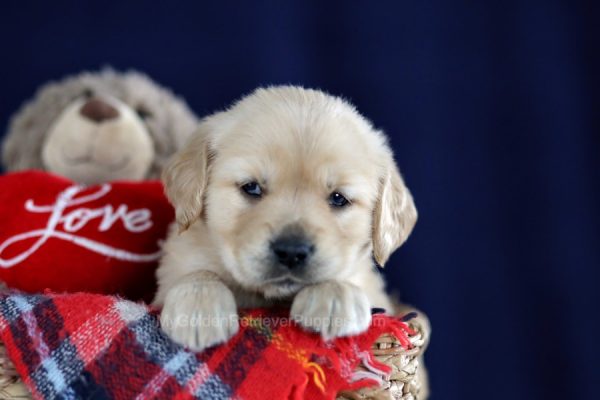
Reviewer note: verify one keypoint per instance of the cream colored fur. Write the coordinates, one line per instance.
(88, 152)
(300, 145)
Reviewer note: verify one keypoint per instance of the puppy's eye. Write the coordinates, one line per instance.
(252, 189)
(336, 199)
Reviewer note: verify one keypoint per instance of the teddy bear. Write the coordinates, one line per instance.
(82, 209)
(98, 127)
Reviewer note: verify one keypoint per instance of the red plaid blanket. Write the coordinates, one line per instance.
(68, 346)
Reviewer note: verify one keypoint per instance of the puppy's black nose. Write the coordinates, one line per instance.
(292, 252)
(97, 110)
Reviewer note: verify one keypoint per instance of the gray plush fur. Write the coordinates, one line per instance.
(169, 126)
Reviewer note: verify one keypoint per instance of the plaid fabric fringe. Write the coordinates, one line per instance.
(71, 346)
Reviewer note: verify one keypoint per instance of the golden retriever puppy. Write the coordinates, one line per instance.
(284, 198)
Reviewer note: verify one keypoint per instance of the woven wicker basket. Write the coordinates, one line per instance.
(408, 380)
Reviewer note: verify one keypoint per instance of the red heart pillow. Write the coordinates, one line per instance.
(60, 236)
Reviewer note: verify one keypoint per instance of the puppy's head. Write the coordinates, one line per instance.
(295, 187)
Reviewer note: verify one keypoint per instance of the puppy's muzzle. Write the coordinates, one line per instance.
(292, 252)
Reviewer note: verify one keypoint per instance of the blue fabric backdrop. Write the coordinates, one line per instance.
(492, 109)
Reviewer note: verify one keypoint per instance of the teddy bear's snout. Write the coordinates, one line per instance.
(98, 110)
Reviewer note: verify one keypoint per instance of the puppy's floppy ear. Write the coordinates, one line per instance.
(395, 215)
(185, 178)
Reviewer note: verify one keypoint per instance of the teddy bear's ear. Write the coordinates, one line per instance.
(186, 175)
(22, 144)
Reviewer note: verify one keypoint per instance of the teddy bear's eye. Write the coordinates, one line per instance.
(87, 93)
(143, 113)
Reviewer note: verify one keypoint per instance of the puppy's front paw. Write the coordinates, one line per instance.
(199, 314)
(332, 309)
